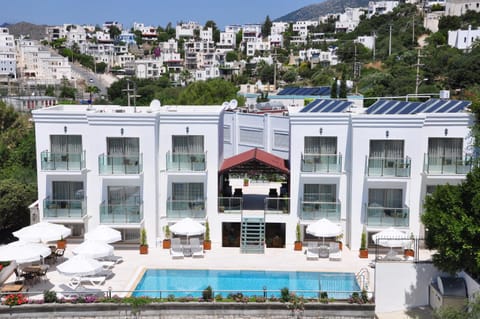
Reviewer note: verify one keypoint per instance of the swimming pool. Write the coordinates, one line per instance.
(182, 283)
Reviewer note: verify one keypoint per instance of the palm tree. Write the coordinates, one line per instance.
(92, 90)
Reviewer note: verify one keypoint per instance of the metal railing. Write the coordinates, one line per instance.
(189, 162)
(314, 210)
(62, 161)
(121, 213)
(321, 163)
(394, 167)
(387, 216)
(120, 164)
(64, 208)
(443, 165)
(277, 205)
(230, 205)
(186, 208)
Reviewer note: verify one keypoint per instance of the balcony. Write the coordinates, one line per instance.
(186, 162)
(63, 209)
(388, 167)
(315, 210)
(318, 163)
(62, 161)
(120, 165)
(186, 208)
(441, 165)
(121, 213)
(277, 205)
(230, 205)
(388, 216)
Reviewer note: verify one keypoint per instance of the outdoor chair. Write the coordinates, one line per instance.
(176, 249)
(115, 259)
(94, 281)
(335, 254)
(107, 264)
(196, 247)
(75, 291)
(59, 253)
(312, 251)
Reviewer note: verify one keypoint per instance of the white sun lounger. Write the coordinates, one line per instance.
(312, 251)
(196, 247)
(176, 249)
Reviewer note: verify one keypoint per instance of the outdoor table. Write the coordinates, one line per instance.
(12, 288)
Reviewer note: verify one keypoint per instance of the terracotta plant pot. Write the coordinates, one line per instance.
(207, 245)
(167, 243)
(143, 249)
(363, 253)
(62, 244)
(245, 182)
(298, 246)
(340, 245)
(409, 253)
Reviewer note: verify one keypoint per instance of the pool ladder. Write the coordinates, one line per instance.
(363, 278)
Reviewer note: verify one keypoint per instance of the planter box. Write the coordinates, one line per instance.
(166, 244)
(298, 246)
(207, 245)
(143, 249)
(363, 253)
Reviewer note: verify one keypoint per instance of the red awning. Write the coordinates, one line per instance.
(246, 159)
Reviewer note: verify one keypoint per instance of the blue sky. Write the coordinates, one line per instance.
(150, 12)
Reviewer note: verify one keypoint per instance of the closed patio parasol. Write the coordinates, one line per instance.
(80, 265)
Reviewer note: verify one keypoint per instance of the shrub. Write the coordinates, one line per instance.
(15, 300)
(207, 294)
(49, 296)
(284, 295)
(323, 297)
(218, 297)
(171, 297)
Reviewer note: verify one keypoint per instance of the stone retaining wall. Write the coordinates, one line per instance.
(192, 310)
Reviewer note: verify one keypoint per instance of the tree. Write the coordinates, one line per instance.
(15, 197)
(114, 32)
(215, 31)
(343, 85)
(333, 90)
(266, 27)
(211, 92)
(231, 56)
(452, 217)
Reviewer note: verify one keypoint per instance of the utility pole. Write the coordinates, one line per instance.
(128, 90)
(390, 42)
(413, 29)
(417, 79)
(374, 37)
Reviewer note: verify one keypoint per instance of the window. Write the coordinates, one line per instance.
(65, 144)
(321, 145)
(391, 198)
(392, 149)
(187, 144)
(320, 193)
(187, 191)
(120, 146)
(67, 191)
(124, 195)
(281, 140)
(251, 137)
(450, 149)
(227, 133)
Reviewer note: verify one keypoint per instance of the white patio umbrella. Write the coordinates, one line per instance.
(324, 228)
(391, 237)
(24, 252)
(42, 232)
(105, 234)
(187, 227)
(93, 249)
(80, 265)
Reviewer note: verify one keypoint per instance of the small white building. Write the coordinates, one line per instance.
(460, 7)
(8, 54)
(349, 20)
(367, 41)
(380, 7)
(72, 33)
(463, 39)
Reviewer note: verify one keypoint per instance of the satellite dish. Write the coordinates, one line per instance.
(155, 104)
(233, 104)
(225, 105)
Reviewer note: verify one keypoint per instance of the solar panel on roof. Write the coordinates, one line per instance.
(374, 109)
(446, 107)
(341, 107)
(310, 106)
(462, 106)
(409, 108)
(324, 91)
(328, 105)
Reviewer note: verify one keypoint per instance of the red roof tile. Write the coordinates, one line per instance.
(255, 154)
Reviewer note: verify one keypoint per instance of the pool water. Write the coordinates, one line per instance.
(182, 283)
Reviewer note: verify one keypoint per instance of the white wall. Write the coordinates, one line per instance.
(402, 285)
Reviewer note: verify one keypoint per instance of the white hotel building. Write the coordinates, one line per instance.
(151, 166)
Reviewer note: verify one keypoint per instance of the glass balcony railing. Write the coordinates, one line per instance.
(388, 167)
(388, 216)
(186, 162)
(121, 213)
(230, 205)
(314, 210)
(318, 163)
(120, 165)
(186, 208)
(277, 205)
(62, 161)
(63, 208)
(443, 165)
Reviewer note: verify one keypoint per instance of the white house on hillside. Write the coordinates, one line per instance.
(463, 39)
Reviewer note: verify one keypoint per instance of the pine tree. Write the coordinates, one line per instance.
(333, 90)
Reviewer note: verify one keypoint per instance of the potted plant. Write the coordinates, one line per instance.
(207, 244)
(143, 242)
(62, 243)
(298, 238)
(245, 181)
(408, 252)
(166, 241)
(363, 245)
(339, 240)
